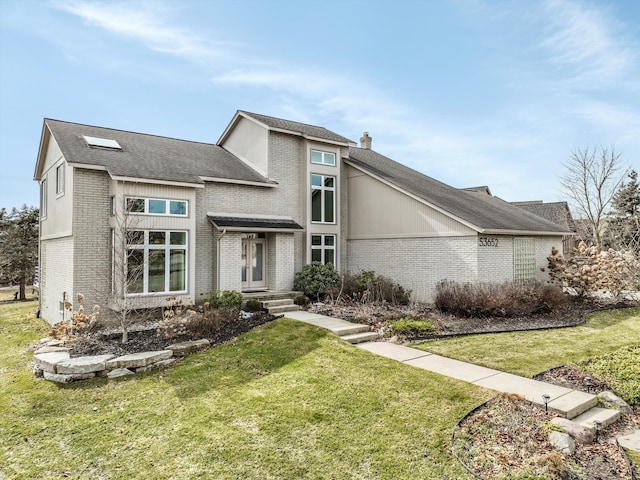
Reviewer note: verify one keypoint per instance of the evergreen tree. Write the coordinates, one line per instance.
(624, 220)
(19, 245)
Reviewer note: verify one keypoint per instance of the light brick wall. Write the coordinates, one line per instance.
(543, 250)
(230, 259)
(56, 276)
(281, 267)
(417, 263)
(495, 263)
(92, 237)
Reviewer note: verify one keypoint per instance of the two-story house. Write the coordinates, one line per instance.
(142, 217)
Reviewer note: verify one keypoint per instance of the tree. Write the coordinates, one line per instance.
(19, 245)
(591, 181)
(624, 220)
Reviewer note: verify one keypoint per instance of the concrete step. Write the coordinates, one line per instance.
(349, 330)
(360, 337)
(277, 303)
(606, 416)
(282, 309)
(572, 404)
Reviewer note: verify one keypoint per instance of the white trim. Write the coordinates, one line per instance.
(155, 182)
(397, 236)
(239, 182)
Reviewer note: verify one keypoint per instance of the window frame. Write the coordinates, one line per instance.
(43, 199)
(324, 155)
(60, 174)
(147, 247)
(324, 247)
(323, 189)
(167, 206)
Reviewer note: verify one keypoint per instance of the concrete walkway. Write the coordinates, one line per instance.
(569, 403)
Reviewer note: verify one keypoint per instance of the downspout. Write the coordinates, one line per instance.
(224, 231)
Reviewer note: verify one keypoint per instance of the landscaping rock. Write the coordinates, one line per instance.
(154, 366)
(137, 360)
(90, 364)
(119, 372)
(67, 377)
(563, 442)
(615, 401)
(47, 349)
(48, 361)
(184, 348)
(579, 433)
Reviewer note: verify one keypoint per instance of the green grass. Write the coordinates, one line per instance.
(284, 401)
(528, 353)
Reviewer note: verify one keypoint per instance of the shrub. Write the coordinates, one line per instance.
(79, 323)
(226, 299)
(253, 306)
(366, 287)
(301, 300)
(211, 323)
(592, 268)
(315, 279)
(413, 327)
(507, 299)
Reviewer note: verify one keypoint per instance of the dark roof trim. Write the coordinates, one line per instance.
(253, 223)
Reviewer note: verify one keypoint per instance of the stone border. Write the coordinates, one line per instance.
(54, 363)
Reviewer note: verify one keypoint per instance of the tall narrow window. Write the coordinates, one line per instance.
(323, 205)
(60, 179)
(43, 199)
(323, 249)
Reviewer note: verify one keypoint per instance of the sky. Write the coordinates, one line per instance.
(469, 92)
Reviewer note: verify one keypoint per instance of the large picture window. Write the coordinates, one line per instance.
(156, 261)
(323, 249)
(157, 206)
(323, 194)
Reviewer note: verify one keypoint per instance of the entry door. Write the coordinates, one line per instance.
(253, 262)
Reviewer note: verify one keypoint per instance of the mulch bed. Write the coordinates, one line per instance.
(145, 337)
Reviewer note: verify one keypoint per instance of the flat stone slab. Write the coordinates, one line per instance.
(119, 372)
(67, 377)
(605, 416)
(137, 360)
(48, 349)
(157, 365)
(579, 433)
(47, 361)
(185, 348)
(88, 364)
(360, 337)
(531, 389)
(630, 441)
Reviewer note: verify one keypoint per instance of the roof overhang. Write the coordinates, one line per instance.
(241, 222)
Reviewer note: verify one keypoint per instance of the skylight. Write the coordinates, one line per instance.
(102, 142)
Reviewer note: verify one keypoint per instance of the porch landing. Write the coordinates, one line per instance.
(275, 302)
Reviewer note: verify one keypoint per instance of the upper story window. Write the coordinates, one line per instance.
(60, 179)
(323, 194)
(323, 158)
(43, 199)
(157, 206)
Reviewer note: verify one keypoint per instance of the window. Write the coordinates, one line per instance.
(106, 143)
(156, 261)
(43, 199)
(524, 259)
(155, 206)
(60, 179)
(323, 249)
(323, 158)
(323, 206)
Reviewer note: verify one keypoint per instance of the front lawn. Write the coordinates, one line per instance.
(286, 400)
(530, 352)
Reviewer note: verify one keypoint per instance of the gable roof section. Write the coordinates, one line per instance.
(473, 207)
(556, 212)
(151, 157)
(311, 132)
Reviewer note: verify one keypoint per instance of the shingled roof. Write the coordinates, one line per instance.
(475, 207)
(556, 212)
(297, 128)
(150, 157)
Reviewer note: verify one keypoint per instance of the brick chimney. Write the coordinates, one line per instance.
(365, 141)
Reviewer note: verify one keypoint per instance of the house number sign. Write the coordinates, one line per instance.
(487, 241)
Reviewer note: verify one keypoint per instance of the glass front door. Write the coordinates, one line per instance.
(253, 263)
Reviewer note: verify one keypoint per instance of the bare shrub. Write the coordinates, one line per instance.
(79, 323)
(506, 300)
(212, 322)
(367, 287)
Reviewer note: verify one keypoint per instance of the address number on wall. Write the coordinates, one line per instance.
(487, 241)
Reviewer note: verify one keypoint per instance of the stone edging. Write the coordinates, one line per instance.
(54, 363)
